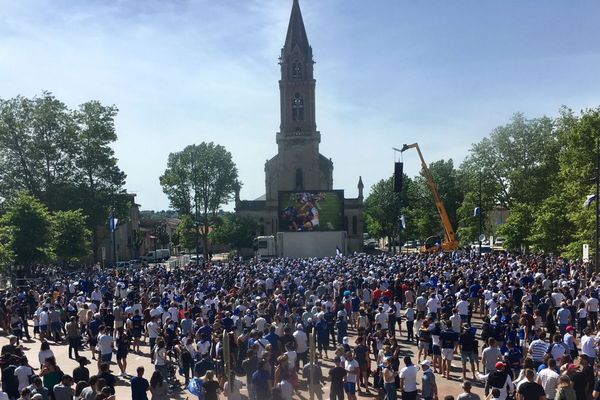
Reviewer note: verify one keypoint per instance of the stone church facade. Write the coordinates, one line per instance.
(298, 165)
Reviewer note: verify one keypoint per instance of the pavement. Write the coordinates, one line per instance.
(450, 386)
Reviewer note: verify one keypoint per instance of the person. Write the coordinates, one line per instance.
(466, 342)
(261, 381)
(44, 353)
(73, 337)
(11, 346)
(352, 369)
(105, 345)
(158, 387)
(538, 349)
(109, 379)
(250, 366)
(467, 394)
(530, 390)
(408, 380)
(389, 379)
(64, 390)
(500, 380)
(81, 373)
(548, 378)
(123, 343)
(23, 373)
(317, 378)
(89, 392)
(337, 376)
(428, 385)
(139, 385)
(37, 387)
(160, 358)
(232, 387)
(50, 374)
(565, 391)
(448, 341)
(490, 356)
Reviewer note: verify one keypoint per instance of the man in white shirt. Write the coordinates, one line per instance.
(301, 344)
(106, 345)
(592, 305)
(23, 372)
(408, 380)
(352, 369)
(588, 345)
(548, 378)
(153, 331)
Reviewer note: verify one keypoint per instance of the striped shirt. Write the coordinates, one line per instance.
(538, 349)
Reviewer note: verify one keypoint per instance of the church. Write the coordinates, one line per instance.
(298, 166)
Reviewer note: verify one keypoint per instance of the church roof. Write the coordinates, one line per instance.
(296, 34)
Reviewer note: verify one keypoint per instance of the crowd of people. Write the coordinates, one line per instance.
(386, 325)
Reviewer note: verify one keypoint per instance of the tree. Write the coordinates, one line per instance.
(187, 233)
(99, 180)
(236, 231)
(162, 236)
(62, 157)
(71, 237)
(31, 226)
(7, 256)
(517, 229)
(383, 209)
(199, 180)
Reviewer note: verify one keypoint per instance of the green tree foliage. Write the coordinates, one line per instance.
(187, 233)
(71, 237)
(30, 223)
(199, 180)
(7, 255)
(162, 235)
(62, 157)
(235, 231)
(383, 209)
(518, 164)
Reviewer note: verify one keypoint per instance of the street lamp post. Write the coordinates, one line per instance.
(196, 237)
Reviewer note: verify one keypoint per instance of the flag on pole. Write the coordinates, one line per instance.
(338, 252)
(589, 200)
(476, 211)
(112, 223)
(402, 222)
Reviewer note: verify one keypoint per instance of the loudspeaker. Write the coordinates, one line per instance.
(398, 177)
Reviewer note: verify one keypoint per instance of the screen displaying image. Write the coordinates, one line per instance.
(311, 211)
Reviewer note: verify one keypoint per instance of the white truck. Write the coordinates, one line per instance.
(157, 255)
(301, 245)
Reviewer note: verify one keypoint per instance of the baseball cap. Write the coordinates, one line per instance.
(426, 362)
(570, 328)
(500, 365)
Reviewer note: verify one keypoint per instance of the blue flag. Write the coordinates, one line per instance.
(589, 200)
(112, 223)
(476, 211)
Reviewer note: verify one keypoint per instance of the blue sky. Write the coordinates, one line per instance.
(443, 73)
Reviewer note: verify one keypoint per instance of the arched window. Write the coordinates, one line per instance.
(297, 108)
(299, 179)
(296, 70)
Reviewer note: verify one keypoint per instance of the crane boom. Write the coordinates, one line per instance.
(450, 240)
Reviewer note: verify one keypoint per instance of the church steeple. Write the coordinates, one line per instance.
(297, 85)
(296, 34)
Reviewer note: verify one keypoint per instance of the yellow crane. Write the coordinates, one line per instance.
(450, 242)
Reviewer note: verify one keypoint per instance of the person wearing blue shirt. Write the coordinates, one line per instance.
(322, 336)
(139, 386)
(273, 338)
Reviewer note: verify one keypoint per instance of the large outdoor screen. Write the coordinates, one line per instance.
(302, 211)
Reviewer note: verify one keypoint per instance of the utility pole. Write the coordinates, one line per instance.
(480, 216)
(596, 254)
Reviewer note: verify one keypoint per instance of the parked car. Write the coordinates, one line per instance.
(499, 242)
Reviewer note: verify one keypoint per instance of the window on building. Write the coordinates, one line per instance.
(354, 225)
(297, 108)
(297, 70)
(299, 179)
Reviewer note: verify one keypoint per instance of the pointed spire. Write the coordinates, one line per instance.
(296, 34)
(361, 186)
